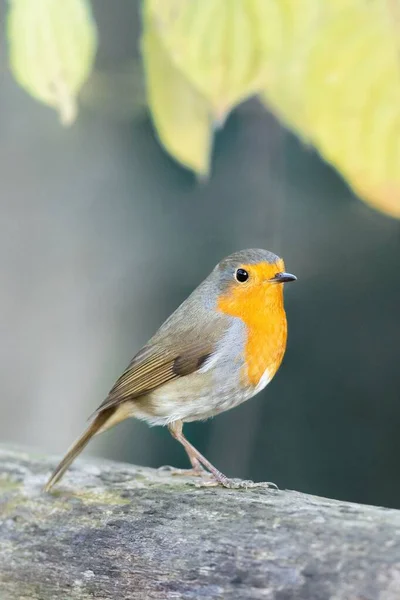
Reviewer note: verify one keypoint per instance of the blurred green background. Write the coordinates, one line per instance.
(103, 235)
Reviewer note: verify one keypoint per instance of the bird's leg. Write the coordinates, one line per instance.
(195, 457)
(196, 471)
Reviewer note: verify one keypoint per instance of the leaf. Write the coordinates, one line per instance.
(284, 82)
(338, 85)
(219, 46)
(352, 99)
(52, 45)
(181, 115)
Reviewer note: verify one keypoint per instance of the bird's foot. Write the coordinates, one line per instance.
(218, 479)
(194, 472)
(237, 484)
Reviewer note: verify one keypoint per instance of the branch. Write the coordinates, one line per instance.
(114, 531)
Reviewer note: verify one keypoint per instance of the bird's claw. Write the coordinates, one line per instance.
(237, 484)
(174, 471)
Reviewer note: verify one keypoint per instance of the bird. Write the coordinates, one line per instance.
(219, 348)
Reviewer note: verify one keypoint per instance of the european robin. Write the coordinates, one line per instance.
(222, 346)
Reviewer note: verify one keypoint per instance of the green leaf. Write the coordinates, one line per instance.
(352, 100)
(336, 82)
(52, 45)
(180, 113)
(219, 46)
(282, 89)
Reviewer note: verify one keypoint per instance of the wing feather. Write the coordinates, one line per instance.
(161, 361)
(148, 371)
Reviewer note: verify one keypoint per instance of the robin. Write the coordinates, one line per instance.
(222, 346)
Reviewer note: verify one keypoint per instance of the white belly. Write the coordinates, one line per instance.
(264, 380)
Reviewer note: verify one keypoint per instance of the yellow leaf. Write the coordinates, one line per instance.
(352, 100)
(220, 46)
(336, 82)
(52, 44)
(181, 115)
(282, 92)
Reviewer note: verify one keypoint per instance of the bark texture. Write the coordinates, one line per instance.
(118, 532)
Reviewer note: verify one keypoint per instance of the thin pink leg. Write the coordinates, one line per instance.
(195, 457)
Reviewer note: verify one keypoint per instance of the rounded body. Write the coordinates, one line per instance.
(219, 348)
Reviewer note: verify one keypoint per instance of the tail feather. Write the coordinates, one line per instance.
(97, 425)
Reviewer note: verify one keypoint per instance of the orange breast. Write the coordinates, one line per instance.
(265, 347)
(266, 326)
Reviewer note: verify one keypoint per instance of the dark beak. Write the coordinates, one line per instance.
(283, 278)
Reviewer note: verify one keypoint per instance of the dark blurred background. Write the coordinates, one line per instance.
(103, 235)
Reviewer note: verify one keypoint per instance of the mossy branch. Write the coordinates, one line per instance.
(115, 531)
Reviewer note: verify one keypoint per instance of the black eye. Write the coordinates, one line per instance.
(241, 275)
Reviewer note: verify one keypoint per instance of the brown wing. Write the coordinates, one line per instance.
(153, 367)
